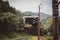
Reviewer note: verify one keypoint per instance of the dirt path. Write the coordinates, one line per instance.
(22, 38)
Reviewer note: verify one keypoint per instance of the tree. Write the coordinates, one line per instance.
(8, 23)
(47, 25)
(55, 20)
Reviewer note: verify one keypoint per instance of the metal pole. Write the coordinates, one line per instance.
(39, 24)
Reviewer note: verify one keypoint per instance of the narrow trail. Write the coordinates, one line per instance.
(22, 38)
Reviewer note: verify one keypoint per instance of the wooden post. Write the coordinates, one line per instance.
(55, 20)
(39, 24)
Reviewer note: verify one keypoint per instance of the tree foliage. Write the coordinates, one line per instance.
(45, 28)
(8, 22)
(48, 23)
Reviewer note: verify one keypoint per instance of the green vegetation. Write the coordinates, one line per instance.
(41, 38)
(11, 25)
(8, 23)
(47, 25)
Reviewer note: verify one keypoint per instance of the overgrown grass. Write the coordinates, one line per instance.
(41, 38)
(13, 36)
(29, 37)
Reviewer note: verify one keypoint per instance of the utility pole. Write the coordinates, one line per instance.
(55, 20)
(39, 24)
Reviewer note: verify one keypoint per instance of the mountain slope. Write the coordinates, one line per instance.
(43, 16)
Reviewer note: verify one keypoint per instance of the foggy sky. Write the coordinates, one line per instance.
(32, 5)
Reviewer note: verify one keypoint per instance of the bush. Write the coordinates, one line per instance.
(8, 23)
